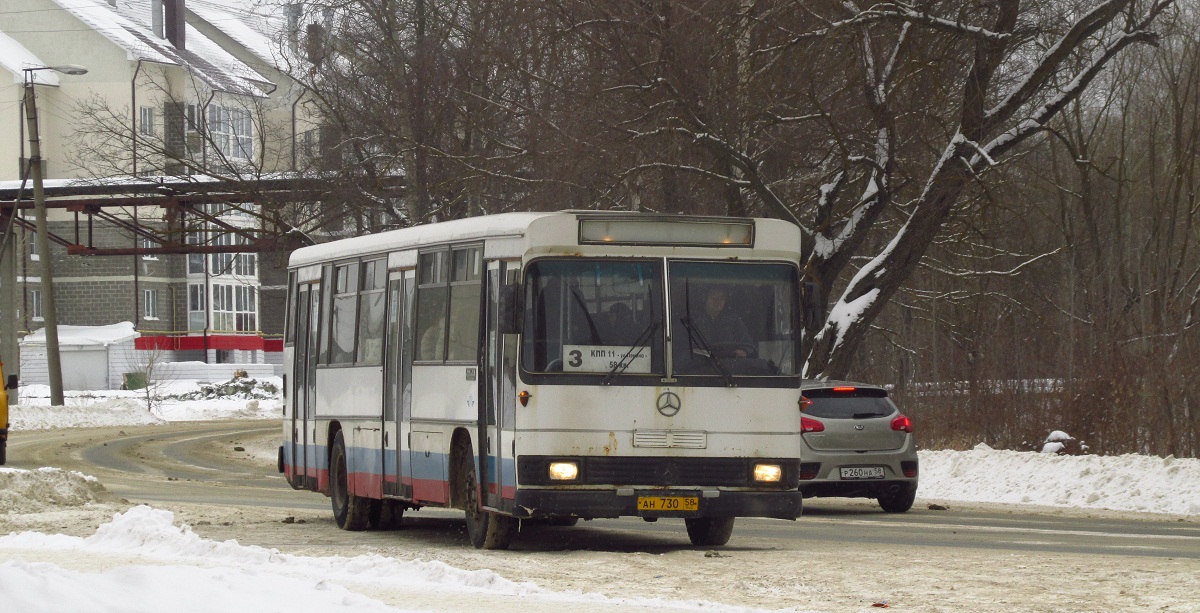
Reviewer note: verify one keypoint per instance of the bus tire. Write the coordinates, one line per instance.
(709, 531)
(486, 530)
(350, 512)
(385, 515)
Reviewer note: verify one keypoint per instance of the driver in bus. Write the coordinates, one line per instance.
(724, 331)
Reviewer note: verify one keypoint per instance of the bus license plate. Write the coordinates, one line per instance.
(863, 472)
(668, 503)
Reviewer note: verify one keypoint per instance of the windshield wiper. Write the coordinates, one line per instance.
(696, 338)
(596, 340)
(634, 350)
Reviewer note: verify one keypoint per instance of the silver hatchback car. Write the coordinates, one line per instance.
(857, 444)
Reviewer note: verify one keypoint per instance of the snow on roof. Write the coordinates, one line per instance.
(16, 58)
(128, 26)
(99, 16)
(86, 335)
(257, 27)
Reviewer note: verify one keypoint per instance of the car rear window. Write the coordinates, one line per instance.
(856, 404)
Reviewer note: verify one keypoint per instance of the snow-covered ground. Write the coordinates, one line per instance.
(146, 560)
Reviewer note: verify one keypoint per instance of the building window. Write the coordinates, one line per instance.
(196, 307)
(150, 304)
(223, 318)
(222, 263)
(232, 131)
(245, 308)
(195, 261)
(149, 244)
(146, 121)
(245, 264)
(35, 304)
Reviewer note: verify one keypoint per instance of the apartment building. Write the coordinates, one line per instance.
(175, 91)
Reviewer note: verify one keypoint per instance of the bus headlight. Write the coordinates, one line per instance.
(564, 471)
(768, 473)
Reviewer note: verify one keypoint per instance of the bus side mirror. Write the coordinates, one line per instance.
(508, 316)
(812, 305)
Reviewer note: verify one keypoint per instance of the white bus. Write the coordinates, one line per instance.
(549, 367)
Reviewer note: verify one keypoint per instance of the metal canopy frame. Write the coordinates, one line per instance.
(184, 212)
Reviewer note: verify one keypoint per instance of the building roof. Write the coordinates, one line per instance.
(259, 27)
(128, 25)
(15, 58)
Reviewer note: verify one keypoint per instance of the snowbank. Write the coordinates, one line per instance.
(45, 489)
(170, 568)
(1119, 483)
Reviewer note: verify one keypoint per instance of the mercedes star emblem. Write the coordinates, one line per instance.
(668, 404)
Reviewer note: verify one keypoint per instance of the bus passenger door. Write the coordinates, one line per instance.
(497, 392)
(396, 375)
(402, 444)
(303, 380)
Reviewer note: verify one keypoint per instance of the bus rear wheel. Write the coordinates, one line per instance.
(709, 531)
(385, 515)
(350, 512)
(486, 530)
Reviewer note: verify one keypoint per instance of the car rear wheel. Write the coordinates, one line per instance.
(898, 502)
(709, 531)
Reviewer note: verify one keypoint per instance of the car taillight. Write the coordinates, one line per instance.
(811, 425)
(909, 467)
(902, 424)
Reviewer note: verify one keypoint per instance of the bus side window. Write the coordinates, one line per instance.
(466, 278)
(432, 294)
(345, 314)
(370, 312)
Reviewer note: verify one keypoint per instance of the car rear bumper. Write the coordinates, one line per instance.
(821, 473)
(855, 489)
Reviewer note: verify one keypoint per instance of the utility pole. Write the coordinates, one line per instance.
(10, 354)
(49, 312)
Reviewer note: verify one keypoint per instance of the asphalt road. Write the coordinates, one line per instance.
(200, 463)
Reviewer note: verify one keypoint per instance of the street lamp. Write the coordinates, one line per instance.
(49, 312)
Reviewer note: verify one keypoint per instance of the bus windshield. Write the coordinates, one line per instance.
(594, 317)
(733, 319)
(605, 318)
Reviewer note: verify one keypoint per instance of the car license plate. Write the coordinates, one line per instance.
(668, 503)
(863, 472)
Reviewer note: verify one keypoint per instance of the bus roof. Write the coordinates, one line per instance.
(511, 225)
(428, 234)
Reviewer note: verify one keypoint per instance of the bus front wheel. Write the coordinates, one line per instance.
(350, 512)
(709, 531)
(486, 530)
